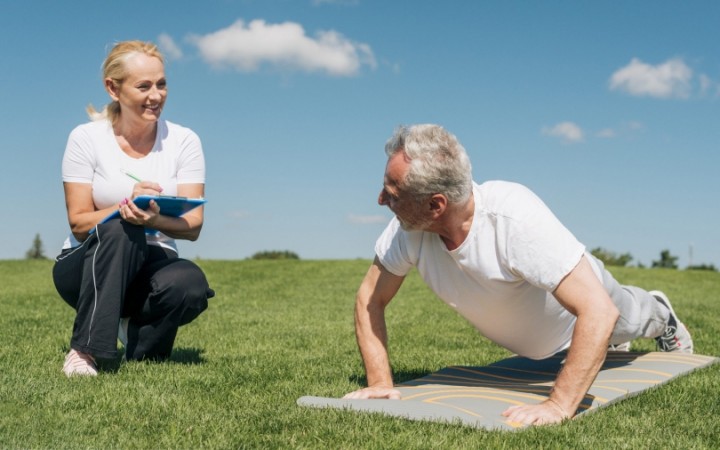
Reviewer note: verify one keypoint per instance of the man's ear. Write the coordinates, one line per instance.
(438, 205)
(112, 89)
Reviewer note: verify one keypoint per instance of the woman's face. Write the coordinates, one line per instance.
(142, 94)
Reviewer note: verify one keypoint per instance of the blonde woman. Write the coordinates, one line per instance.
(119, 272)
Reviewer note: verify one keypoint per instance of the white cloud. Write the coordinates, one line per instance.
(286, 46)
(705, 82)
(635, 126)
(709, 86)
(670, 79)
(395, 67)
(607, 133)
(568, 131)
(366, 220)
(168, 46)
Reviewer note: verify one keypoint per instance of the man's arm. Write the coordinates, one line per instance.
(377, 289)
(581, 293)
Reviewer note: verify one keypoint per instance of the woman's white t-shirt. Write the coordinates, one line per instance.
(93, 156)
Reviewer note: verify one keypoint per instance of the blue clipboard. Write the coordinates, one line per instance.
(169, 206)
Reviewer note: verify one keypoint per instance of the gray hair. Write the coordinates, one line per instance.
(438, 162)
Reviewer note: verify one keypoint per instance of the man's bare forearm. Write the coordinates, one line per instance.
(371, 334)
(584, 360)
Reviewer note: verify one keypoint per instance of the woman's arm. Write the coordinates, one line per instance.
(81, 212)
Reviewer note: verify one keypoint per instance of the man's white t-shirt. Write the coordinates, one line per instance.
(502, 276)
(93, 156)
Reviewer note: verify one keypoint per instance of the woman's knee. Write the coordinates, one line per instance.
(188, 283)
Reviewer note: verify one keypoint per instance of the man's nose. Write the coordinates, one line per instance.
(382, 198)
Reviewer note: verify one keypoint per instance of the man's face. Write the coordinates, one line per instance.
(407, 208)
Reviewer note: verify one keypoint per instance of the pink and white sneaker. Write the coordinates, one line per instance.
(78, 363)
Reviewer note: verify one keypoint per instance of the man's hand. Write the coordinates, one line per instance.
(545, 413)
(374, 392)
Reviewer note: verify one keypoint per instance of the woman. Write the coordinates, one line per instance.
(120, 272)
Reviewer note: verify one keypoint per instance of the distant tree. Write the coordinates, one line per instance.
(667, 261)
(611, 258)
(36, 251)
(703, 267)
(275, 254)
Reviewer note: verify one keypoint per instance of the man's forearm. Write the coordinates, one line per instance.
(584, 360)
(375, 293)
(371, 336)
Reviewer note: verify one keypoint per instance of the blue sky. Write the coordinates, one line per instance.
(607, 110)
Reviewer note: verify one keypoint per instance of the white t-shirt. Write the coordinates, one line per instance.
(93, 156)
(502, 276)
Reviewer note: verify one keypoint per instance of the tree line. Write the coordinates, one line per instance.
(666, 260)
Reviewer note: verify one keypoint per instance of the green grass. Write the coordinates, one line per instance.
(278, 330)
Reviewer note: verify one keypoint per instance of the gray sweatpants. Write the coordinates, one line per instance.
(641, 315)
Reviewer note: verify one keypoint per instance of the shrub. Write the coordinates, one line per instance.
(275, 254)
(710, 267)
(611, 258)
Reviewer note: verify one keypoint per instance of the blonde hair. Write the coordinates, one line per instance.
(114, 68)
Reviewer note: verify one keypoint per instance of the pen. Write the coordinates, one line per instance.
(131, 175)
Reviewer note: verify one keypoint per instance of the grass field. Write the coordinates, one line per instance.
(278, 330)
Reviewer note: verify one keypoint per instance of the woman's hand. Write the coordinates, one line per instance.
(146, 188)
(136, 216)
(187, 226)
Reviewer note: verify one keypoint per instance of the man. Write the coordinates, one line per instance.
(498, 255)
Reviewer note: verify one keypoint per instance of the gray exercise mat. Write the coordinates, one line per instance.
(476, 396)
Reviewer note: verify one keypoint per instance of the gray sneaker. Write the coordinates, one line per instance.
(676, 337)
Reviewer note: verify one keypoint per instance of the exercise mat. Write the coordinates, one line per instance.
(476, 396)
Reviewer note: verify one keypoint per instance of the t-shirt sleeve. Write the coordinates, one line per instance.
(538, 246)
(78, 164)
(191, 161)
(393, 249)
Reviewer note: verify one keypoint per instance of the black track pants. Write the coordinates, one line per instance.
(115, 274)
